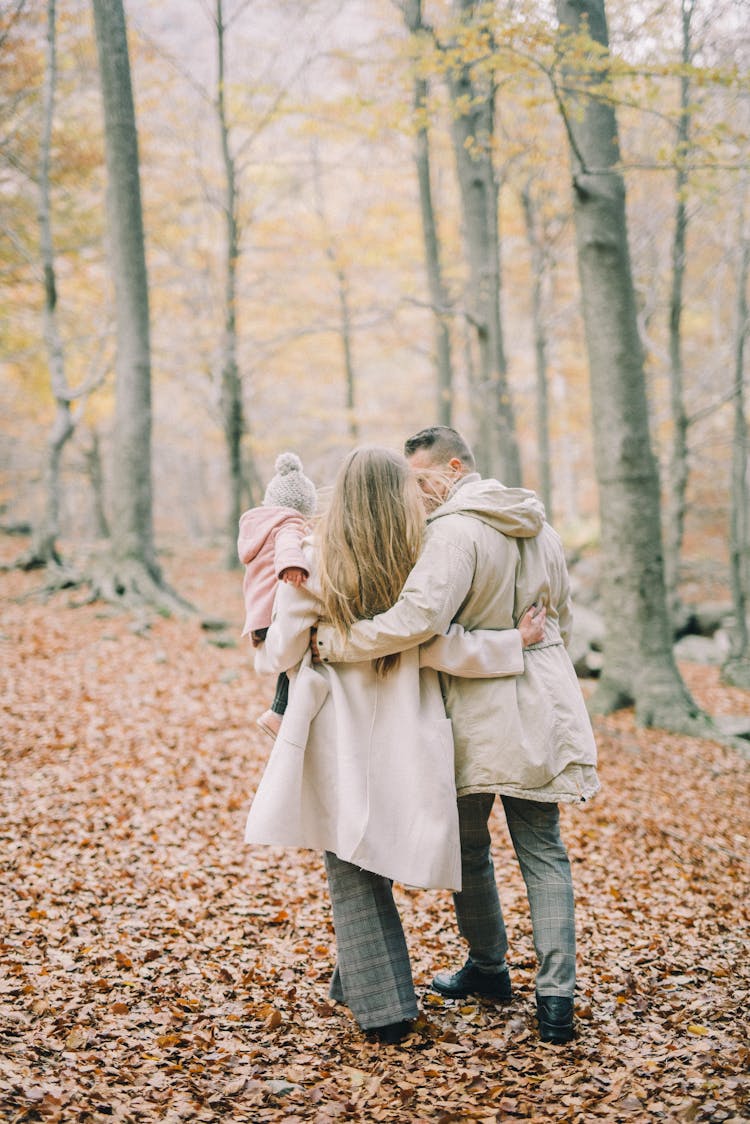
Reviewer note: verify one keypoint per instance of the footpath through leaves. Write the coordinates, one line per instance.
(155, 968)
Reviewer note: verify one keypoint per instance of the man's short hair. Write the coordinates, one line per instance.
(443, 443)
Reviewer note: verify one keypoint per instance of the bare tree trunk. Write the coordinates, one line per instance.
(736, 670)
(253, 482)
(638, 659)
(678, 469)
(93, 460)
(538, 270)
(346, 326)
(438, 295)
(473, 132)
(43, 548)
(134, 574)
(231, 383)
(346, 342)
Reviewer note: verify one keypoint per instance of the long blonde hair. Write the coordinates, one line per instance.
(368, 539)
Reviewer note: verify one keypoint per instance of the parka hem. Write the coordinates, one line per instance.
(542, 796)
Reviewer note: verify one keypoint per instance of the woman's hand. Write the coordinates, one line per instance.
(531, 625)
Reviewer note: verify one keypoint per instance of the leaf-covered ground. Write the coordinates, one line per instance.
(152, 967)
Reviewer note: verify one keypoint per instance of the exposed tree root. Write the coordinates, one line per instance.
(59, 575)
(15, 528)
(38, 557)
(736, 673)
(609, 695)
(131, 584)
(664, 709)
(128, 584)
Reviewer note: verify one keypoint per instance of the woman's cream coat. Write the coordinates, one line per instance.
(363, 765)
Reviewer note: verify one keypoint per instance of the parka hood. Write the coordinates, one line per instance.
(515, 512)
(257, 524)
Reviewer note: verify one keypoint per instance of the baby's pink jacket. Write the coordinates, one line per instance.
(270, 539)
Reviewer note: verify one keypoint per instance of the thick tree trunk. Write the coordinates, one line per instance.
(538, 270)
(737, 668)
(638, 660)
(473, 132)
(132, 574)
(678, 466)
(231, 383)
(132, 529)
(43, 547)
(438, 295)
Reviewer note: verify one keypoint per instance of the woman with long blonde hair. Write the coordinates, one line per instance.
(362, 768)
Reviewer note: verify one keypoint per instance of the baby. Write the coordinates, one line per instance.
(270, 546)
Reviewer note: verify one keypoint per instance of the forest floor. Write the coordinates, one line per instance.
(153, 967)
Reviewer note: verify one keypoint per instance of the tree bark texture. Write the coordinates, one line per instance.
(132, 525)
(678, 466)
(737, 669)
(43, 547)
(231, 383)
(345, 317)
(93, 461)
(433, 267)
(473, 136)
(538, 269)
(343, 290)
(638, 660)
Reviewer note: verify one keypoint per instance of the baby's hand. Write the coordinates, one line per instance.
(294, 574)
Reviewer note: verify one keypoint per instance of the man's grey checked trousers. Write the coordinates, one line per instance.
(535, 833)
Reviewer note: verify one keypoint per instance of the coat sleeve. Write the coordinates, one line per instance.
(480, 654)
(565, 618)
(432, 595)
(288, 637)
(564, 603)
(288, 546)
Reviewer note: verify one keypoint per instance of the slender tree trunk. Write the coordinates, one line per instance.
(638, 660)
(473, 134)
(346, 342)
(678, 468)
(231, 383)
(737, 668)
(343, 289)
(43, 548)
(93, 460)
(438, 295)
(538, 270)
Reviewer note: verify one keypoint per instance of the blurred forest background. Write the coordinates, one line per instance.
(323, 270)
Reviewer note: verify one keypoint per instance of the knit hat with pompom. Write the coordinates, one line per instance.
(289, 487)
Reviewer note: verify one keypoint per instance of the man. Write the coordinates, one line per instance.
(489, 555)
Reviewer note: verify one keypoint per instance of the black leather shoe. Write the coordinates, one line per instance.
(470, 981)
(555, 1015)
(390, 1034)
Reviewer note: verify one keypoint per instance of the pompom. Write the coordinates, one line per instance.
(288, 462)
